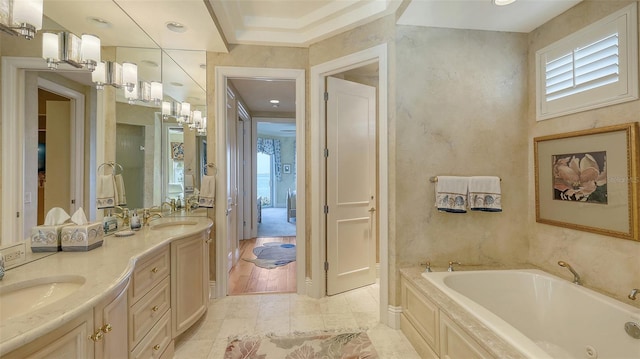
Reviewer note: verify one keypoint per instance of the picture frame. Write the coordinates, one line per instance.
(286, 168)
(177, 151)
(588, 180)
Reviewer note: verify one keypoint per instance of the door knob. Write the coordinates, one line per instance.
(371, 210)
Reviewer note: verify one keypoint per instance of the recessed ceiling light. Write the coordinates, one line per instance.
(176, 26)
(274, 101)
(99, 22)
(177, 84)
(503, 2)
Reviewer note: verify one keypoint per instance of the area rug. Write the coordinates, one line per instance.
(325, 345)
(273, 254)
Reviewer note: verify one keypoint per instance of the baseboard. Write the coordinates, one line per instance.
(393, 316)
(308, 287)
(212, 289)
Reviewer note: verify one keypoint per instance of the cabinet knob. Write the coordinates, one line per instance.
(106, 328)
(156, 347)
(154, 270)
(155, 308)
(97, 336)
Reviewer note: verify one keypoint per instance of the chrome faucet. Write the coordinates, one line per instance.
(633, 293)
(576, 276)
(451, 263)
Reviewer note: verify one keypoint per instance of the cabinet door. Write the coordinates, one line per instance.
(189, 281)
(67, 342)
(110, 319)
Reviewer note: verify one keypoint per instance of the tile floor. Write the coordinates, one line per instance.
(285, 313)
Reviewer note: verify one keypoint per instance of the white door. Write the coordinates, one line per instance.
(351, 185)
(232, 183)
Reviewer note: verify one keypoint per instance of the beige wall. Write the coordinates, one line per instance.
(461, 100)
(605, 263)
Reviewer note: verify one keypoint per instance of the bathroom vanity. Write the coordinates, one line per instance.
(131, 297)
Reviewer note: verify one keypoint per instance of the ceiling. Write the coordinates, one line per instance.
(216, 25)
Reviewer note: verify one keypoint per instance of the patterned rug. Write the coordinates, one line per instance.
(325, 345)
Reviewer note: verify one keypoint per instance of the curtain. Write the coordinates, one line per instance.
(271, 147)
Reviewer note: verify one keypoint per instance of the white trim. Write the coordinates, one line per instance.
(77, 138)
(308, 286)
(393, 316)
(222, 74)
(212, 289)
(13, 117)
(318, 242)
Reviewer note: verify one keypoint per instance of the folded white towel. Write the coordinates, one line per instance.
(188, 183)
(121, 193)
(105, 191)
(451, 194)
(485, 194)
(207, 192)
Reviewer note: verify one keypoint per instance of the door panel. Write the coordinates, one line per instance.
(351, 185)
(57, 192)
(232, 182)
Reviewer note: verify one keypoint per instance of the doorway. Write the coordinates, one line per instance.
(223, 76)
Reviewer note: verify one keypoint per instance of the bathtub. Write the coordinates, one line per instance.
(541, 315)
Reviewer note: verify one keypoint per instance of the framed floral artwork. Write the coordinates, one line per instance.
(588, 180)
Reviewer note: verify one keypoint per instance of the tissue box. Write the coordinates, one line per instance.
(46, 238)
(76, 238)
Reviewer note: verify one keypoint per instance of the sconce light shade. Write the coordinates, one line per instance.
(90, 51)
(166, 109)
(156, 92)
(28, 12)
(131, 95)
(185, 109)
(197, 119)
(129, 75)
(51, 49)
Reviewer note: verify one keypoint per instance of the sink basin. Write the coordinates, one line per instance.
(173, 224)
(26, 296)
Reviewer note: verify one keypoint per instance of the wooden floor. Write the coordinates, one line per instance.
(248, 278)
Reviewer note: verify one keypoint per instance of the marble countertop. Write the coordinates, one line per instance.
(488, 339)
(104, 268)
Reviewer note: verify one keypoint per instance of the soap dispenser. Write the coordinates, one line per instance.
(135, 221)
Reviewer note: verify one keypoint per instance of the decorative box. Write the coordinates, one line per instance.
(46, 238)
(82, 238)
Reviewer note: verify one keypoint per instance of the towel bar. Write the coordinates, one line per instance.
(114, 167)
(434, 179)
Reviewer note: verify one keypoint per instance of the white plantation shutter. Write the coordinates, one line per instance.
(594, 67)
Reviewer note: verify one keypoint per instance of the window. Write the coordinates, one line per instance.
(594, 67)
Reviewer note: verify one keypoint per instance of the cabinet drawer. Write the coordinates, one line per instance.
(149, 271)
(156, 342)
(148, 310)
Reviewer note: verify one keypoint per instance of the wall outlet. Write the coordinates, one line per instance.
(14, 254)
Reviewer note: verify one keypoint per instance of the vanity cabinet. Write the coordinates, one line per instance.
(431, 331)
(150, 307)
(189, 280)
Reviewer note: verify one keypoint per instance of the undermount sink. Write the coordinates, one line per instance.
(26, 296)
(173, 224)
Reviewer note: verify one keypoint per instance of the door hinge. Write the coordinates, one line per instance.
(17, 214)
(73, 201)
(326, 96)
(326, 209)
(326, 152)
(326, 266)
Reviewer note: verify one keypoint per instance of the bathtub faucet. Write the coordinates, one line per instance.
(450, 269)
(576, 276)
(633, 293)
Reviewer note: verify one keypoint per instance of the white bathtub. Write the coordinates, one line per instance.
(544, 316)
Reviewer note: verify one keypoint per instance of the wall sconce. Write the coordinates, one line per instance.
(184, 113)
(167, 110)
(68, 48)
(107, 73)
(156, 92)
(131, 95)
(21, 17)
(202, 130)
(129, 75)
